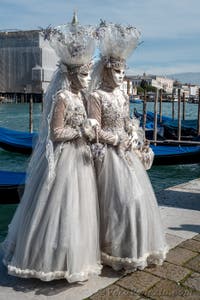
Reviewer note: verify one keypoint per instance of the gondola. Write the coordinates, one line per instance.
(173, 154)
(11, 186)
(12, 183)
(17, 141)
(170, 127)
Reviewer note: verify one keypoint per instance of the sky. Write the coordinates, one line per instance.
(170, 29)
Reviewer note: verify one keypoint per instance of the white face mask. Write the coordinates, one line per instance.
(84, 79)
(118, 76)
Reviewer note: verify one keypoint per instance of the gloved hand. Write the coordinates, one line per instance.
(93, 122)
(89, 128)
(124, 144)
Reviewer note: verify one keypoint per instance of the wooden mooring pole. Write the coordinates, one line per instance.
(31, 114)
(155, 118)
(144, 110)
(173, 110)
(179, 114)
(183, 106)
(160, 107)
(198, 125)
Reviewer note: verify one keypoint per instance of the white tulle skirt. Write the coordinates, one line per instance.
(55, 232)
(131, 232)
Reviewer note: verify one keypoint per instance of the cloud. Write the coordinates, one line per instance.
(155, 18)
(170, 29)
(163, 69)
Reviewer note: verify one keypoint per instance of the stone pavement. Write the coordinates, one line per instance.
(177, 279)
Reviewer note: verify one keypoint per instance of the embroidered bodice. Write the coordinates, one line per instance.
(111, 110)
(68, 116)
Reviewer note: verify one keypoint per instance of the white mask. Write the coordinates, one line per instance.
(84, 79)
(118, 76)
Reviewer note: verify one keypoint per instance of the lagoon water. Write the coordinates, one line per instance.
(16, 116)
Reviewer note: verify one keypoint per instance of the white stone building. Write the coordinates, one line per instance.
(157, 81)
(190, 90)
(27, 62)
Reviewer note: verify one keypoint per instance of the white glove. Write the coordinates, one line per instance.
(88, 128)
(93, 122)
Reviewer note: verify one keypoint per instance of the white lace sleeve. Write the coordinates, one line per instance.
(95, 112)
(59, 130)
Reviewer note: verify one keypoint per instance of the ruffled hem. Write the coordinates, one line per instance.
(132, 264)
(75, 277)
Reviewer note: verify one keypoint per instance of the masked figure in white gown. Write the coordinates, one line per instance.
(131, 232)
(54, 232)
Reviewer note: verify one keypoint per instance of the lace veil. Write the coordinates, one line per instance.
(74, 45)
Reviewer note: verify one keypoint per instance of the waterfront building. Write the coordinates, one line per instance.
(27, 63)
(191, 91)
(159, 82)
(127, 87)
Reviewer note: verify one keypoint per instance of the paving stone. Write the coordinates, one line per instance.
(173, 240)
(194, 264)
(167, 289)
(197, 237)
(193, 282)
(114, 292)
(191, 245)
(179, 255)
(138, 281)
(169, 271)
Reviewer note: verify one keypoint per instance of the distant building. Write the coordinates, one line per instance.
(191, 91)
(27, 62)
(157, 81)
(127, 86)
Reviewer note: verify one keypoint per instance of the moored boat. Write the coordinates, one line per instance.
(11, 186)
(134, 99)
(169, 127)
(173, 154)
(12, 183)
(17, 141)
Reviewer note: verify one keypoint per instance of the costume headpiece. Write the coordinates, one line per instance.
(74, 44)
(116, 43)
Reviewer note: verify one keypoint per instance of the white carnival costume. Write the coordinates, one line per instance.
(55, 232)
(131, 233)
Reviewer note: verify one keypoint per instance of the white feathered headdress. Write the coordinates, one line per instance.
(73, 43)
(116, 42)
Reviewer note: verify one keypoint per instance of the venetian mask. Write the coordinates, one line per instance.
(83, 78)
(117, 76)
(79, 76)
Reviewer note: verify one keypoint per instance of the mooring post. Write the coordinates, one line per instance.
(31, 114)
(183, 106)
(179, 114)
(144, 110)
(155, 118)
(160, 108)
(198, 125)
(173, 106)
